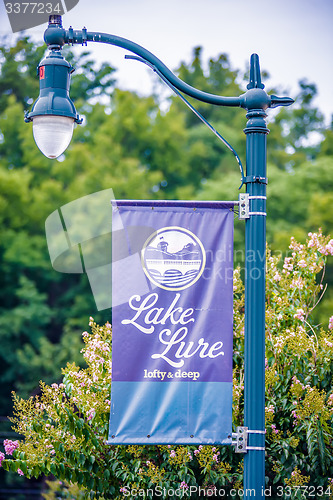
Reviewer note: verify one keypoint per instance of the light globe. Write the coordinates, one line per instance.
(52, 134)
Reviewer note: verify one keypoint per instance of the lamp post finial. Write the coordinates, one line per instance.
(255, 76)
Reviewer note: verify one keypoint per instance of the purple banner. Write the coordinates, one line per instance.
(172, 294)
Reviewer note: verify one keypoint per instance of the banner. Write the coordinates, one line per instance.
(172, 296)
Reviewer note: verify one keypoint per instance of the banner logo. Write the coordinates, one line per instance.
(173, 258)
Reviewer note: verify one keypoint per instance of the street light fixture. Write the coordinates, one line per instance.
(53, 116)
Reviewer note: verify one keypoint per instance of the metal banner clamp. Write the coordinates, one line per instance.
(241, 437)
(244, 206)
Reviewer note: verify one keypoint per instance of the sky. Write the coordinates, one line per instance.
(293, 38)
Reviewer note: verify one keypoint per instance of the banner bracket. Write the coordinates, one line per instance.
(241, 437)
(244, 206)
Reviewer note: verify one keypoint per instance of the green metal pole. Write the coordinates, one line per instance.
(255, 255)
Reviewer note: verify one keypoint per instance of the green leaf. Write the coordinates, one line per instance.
(36, 472)
(100, 486)
(91, 483)
(23, 466)
(80, 423)
(54, 469)
(321, 447)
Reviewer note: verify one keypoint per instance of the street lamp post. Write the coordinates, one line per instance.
(53, 116)
(254, 333)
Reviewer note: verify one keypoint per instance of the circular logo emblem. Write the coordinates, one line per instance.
(173, 258)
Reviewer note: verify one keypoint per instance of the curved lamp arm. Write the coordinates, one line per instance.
(162, 68)
(56, 36)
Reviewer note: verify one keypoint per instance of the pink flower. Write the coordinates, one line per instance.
(288, 266)
(313, 242)
(183, 485)
(302, 263)
(20, 472)
(299, 314)
(2, 457)
(329, 247)
(294, 414)
(323, 250)
(297, 283)
(215, 457)
(172, 453)
(10, 446)
(330, 323)
(91, 414)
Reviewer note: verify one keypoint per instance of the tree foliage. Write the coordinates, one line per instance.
(64, 429)
(140, 149)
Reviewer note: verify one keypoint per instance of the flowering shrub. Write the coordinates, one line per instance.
(64, 429)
